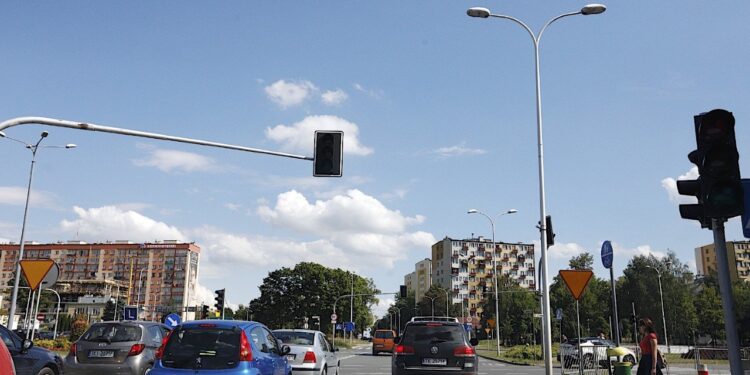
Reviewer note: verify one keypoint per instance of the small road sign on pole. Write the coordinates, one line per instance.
(34, 271)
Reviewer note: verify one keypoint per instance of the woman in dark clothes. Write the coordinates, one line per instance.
(649, 348)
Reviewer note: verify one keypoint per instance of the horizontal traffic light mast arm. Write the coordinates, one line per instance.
(135, 133)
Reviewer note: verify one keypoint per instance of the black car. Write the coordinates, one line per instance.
(30, 360)
(429, 347)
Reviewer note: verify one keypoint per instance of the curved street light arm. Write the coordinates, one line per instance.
(107, 129)
(541, 31)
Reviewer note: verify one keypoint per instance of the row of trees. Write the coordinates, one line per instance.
(289, 295)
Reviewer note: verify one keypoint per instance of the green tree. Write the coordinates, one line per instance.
(742, 308)
(711, 317)
(516, 308)
(78, 327)
(109, 310)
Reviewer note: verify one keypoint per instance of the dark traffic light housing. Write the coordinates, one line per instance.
(719, 187)
(219, 300)
(328, 158)
(402, 291)
(204, 312)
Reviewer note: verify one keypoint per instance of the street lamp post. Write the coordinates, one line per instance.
(34, 148)
(494, 270)
(432, 299)
(138, 298)
(590, 9)
(663, 316)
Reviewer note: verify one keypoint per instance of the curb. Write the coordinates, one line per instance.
(504, 361)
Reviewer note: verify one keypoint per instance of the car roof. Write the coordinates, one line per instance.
(221, 323)
(296, 330)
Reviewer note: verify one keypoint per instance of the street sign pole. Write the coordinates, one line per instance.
(580, 353)
(607, 258)
(727, 300)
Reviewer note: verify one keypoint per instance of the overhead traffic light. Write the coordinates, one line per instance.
(204, 312)
(402, 291)
(719, 187)
(219, 300)
(328, 158)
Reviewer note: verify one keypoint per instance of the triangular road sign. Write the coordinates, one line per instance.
(576, 281)
(35, 270)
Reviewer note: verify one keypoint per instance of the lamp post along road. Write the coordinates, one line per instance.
(138, 298)
(494, 271)
(590, 9)
(663, 316)
(33, 148)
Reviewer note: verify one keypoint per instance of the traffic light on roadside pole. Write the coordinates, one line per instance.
(219, 300)
(204, 312)
(548, 230)
(328, 157)
(719, 187)
(402, 291)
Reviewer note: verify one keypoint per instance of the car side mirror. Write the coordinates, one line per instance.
(285, 349)
(27, 344)
(474, 342)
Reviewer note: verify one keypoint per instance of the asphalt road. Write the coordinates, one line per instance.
(360, 360)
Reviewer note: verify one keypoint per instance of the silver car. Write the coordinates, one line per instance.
(310, 351)
(116, 348)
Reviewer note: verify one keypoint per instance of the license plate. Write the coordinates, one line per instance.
(291, 357)
(101, 354)
(434, 361)
(379, 345)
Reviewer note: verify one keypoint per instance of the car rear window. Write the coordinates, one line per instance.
(210, 348)
(432, 332)
(383, 335)
(295, 338)
(110, 332)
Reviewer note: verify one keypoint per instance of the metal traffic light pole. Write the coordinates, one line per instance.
(727, 300)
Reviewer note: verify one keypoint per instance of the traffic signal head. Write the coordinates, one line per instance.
(328, 157)
(219, 299)
(204, 312)
(403, 291)
(719, 188)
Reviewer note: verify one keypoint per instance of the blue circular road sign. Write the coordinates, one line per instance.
(607, 254)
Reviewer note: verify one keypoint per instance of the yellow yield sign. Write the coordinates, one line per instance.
(576, 281)
(35, 271)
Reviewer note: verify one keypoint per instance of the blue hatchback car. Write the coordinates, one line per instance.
(221, 347)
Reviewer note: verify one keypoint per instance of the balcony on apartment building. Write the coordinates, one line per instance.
(472, 273)
(454, 271)
(515, 266)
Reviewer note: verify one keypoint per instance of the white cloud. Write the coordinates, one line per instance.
(643, 250)
(670, 185)
(132, 206)
(354, 222)
(381, 308)
(112, 223)
(299, 137)
(232, 206)
(288, 94)
(173, 160)
(16, 196)
(335, 97)
(458, 150)
(565, 250)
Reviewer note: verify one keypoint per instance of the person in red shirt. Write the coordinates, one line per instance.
(649, 348)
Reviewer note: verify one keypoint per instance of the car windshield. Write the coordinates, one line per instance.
(432, 333)
(383, 335)
(109, 332)
(295, 338)
(209, 348)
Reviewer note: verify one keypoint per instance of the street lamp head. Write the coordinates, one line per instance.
(591, 9)
(2, 135)
(70, 145)
(472, 211)
(512, 211)
(479, 12)
(44, 134)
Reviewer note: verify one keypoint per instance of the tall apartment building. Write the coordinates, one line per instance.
(738, 253)
(160, 276)
(465, 267)
(420, 280)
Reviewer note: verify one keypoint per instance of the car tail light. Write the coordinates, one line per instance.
(73, 349)
(404, 350)
(160, 351)
(309, 358)
(136, 349)
(464, 351)
(246, 352)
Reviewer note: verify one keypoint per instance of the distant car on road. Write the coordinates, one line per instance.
(223, 347)
(383, 341)
(434, 347)
(594, 352)
(27, 358)
(310, 351)
(127, 347)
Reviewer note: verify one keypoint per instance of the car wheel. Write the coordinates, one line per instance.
(588, 361)
(629, 358)
(147, 370)
(46, 371)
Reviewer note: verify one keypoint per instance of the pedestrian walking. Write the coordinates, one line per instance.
(649, 349)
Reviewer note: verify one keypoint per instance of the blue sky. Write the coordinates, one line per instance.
(438, 110)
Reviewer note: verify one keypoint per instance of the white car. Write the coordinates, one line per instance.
(594, 351)
(310, 351)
